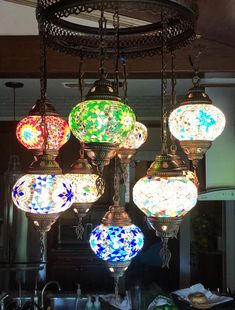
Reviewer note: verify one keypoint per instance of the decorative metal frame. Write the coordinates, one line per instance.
(139, 41)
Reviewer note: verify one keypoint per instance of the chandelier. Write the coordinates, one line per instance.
(116, 240)
(165, 194)
(102, 121)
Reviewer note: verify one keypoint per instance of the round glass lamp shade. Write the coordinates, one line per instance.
(136, 138)
(84, 187)
(116, 243)
(190, 122)
(107, 121)
(30, 132)
(42, 194)
(165, 196)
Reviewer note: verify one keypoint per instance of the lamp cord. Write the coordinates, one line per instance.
(163, 84)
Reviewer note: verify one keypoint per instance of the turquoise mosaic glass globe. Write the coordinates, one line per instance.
(190, 122)
(43, 194)
(116, 243)
(104, 121)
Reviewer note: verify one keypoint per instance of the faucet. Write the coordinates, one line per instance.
(3, 296)
(44, 288)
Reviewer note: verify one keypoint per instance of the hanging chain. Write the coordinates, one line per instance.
(165, 253)
(42, 246)
(195, 63)
(102, 28)
(116, 26)
(173, 146)
(80, 78)
(116, 197)
(81, 151)
(43, 85)
(125, 83)
(164, 83)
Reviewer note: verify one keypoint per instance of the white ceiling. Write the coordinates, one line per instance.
(17, 17)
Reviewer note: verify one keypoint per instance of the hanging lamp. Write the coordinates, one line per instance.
(30, 131)
(165, 194)
(116, 240)
(102, 121)
(135, 138)
(88, 187)
(196, 122)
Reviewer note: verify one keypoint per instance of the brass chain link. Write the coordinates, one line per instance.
(164, 83)
(173, 147)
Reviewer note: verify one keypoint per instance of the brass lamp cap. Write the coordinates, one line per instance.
(45, 164)
(43, 222)
(81, 166)
(102, 90)
(116, 216)
(196, 95)
(167, 165)
(45, 107)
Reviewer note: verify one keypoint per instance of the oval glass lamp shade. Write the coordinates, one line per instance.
(107, 121)
(165, 196)
(42, 194)
(190, 122)
(31, 134)
(116, 243)
(84, 187)
(136, 138)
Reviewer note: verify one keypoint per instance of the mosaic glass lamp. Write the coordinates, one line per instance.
(43, 193)
(102, 122)
(30, 131)
(196, 123)
(132, 142)
(116, 241)
(88, 187)
(165, 195)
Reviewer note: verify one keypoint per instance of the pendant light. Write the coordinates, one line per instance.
(30, 131)
(102, 121)
(88, 187)
(165, 194)
(196, 122)
(44, 192)
(128, 148)
(116, 240)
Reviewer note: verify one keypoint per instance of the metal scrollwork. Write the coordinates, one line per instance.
(135, 41)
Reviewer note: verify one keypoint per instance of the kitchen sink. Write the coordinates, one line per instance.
(67, 303)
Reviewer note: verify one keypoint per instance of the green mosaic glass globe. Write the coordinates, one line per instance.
(106, 121)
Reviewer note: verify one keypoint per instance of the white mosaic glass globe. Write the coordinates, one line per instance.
(84, 187)
(43, 194)
(165, 197)
(136, 138)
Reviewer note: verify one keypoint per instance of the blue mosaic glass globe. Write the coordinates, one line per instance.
(116, 243)
(43, 194)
